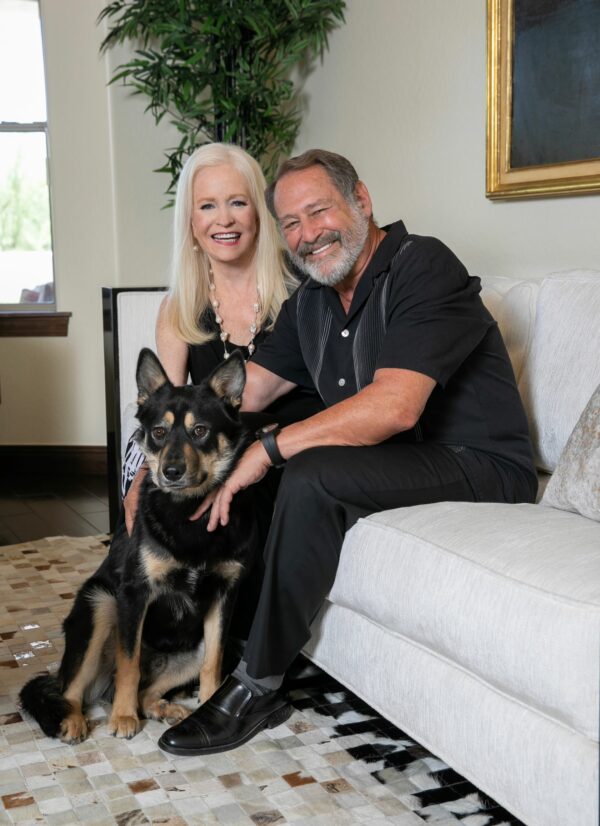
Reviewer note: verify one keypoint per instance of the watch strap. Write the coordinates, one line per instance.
(269, 442)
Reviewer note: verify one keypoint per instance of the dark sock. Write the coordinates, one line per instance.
(258, 686)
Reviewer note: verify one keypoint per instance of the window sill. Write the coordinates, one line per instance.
(33, 324)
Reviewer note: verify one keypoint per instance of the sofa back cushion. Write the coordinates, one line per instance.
(551, 328)
(512, 302)
(562, 367)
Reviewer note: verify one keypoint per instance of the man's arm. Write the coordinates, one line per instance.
(392, 403)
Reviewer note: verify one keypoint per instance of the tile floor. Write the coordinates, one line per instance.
(335, 761)
(32, 507)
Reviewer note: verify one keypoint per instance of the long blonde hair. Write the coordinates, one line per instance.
(188, 293)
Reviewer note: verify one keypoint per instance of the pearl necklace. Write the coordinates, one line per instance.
(224, 335)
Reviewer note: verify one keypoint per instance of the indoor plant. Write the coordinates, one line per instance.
(221, 69)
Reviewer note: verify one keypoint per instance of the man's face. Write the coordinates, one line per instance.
(324, 233)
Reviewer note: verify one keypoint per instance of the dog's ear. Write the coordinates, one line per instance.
(229, 378)
(149, 375)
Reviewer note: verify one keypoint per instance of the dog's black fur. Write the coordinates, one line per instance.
(138, 623)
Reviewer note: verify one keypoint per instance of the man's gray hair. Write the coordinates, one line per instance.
(340, 170)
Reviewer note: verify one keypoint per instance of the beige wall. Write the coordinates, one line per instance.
(401, 92)
(108, 230)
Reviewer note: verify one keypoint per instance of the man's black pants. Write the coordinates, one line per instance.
(323, 492)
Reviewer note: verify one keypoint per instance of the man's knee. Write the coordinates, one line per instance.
(310, 473)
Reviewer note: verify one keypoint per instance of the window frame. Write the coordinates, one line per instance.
(28, 318)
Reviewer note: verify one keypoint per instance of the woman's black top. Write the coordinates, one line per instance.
(203, 358)
(299, 404)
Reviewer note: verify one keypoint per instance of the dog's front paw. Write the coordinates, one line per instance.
(73, 729)
(126, 726)
(166, 712)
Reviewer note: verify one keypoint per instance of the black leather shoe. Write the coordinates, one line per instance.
(231, 717)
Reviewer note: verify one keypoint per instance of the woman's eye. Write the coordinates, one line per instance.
(199, 431)
(158, 433)
(239, 203)
(206, 206)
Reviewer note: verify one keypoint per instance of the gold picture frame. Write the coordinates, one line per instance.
(502, 180)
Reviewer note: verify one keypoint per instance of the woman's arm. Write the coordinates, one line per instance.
(262, 388)
(173, 354)
(172, 351)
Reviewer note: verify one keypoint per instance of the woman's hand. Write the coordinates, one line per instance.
(250, 469)
(131, 501)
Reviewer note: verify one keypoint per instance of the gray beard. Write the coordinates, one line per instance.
(352, 243)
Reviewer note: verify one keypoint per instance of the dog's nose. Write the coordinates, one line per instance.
(173, 472)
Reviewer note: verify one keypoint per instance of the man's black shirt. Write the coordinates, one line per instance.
(415, 307)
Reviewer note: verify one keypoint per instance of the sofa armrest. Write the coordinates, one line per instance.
(129, 319)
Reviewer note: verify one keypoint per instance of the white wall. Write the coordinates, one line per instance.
(401, 92)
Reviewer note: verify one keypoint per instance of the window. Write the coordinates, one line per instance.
(26, 268)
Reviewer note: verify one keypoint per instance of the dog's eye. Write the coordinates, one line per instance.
(158, 433)
(199, 431)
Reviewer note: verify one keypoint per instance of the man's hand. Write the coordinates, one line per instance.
(250, 469)
(131, 501)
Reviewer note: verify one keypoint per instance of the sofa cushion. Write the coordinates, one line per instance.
(512, 303)
(540, 769)
(562, 368)
(510, 593)
(575, 484)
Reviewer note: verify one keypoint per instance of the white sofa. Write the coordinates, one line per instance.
(475, 628)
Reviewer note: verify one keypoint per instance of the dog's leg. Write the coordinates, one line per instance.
(73, 728)
(132, 605)
(210, 672)
(216, 626)
(179, 669)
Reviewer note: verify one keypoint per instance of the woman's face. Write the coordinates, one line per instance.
(224, 218)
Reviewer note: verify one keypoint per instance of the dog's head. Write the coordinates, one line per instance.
(191, 436)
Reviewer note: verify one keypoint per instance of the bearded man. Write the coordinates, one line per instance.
(421, 406)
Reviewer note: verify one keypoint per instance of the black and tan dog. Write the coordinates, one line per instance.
(138, 623)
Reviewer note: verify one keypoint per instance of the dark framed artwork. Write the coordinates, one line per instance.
(543, 129)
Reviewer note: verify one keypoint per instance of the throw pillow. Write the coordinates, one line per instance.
(575, 484)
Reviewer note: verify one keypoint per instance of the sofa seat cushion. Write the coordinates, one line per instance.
(510, 593)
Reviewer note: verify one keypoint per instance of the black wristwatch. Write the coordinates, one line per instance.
(267, 436)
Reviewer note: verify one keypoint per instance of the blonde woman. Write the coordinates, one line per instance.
(228, 281)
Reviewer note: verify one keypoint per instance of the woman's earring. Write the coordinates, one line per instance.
(196, 248)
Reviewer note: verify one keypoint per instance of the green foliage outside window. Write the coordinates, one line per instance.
(24, 214)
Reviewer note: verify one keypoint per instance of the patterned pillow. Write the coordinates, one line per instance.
(575, 484)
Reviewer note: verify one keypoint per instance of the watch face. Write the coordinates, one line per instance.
(268, 428)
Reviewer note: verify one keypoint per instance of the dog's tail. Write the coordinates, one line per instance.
(42, 698)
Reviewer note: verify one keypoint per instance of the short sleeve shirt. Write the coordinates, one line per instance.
(415, 307)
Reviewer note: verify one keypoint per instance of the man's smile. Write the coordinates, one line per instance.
(321, 247)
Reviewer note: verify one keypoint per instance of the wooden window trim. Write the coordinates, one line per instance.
(13, 324)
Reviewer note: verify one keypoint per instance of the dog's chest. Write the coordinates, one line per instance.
(164, 573)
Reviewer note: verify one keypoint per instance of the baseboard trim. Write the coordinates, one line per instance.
(58, 459)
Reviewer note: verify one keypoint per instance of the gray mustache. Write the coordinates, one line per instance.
(327, 238)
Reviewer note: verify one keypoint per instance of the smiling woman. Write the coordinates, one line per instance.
(229, 280)
(224, 218)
